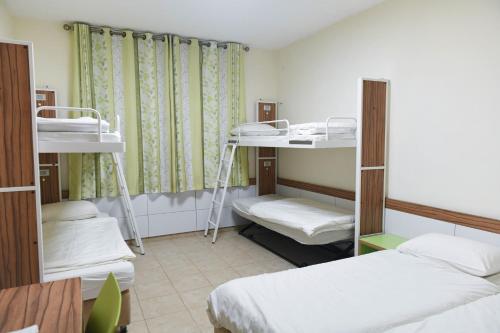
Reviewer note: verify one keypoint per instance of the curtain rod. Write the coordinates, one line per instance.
(186, 40)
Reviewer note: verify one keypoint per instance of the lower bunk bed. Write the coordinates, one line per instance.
(302, 231)
(89, 248)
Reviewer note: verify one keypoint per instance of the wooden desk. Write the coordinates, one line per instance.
(53, 306)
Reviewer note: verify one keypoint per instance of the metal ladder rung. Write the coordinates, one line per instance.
(211, 223)
(218, 203)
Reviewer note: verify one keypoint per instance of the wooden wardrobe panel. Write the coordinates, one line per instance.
(18, 239)
(267, 112)
(374, 109)
(267, 176)
(16, 145)
(267, 152)
(49, 184)
(372, 201)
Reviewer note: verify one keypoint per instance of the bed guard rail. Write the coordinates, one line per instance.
(278, 121)
(77, 109)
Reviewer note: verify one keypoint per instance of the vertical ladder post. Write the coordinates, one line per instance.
(122, 185)
(218, 182)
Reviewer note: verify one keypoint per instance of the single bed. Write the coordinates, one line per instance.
(341, 296)
(82, 124)
(481, 316)
(78, 137)
(306, 221)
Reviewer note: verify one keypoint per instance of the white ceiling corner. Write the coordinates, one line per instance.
(268, 24)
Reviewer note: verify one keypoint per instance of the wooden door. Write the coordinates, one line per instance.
(18, 239)
(266, 156)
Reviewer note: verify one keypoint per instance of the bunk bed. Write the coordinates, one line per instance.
(366, 133)
(93, 246)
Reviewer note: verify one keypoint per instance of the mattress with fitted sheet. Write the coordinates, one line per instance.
(78, 137)
(480, 316)
(69, 245)
(330, 297)
(93, 277)
(306, 221)
(334, 127)
(82, 124)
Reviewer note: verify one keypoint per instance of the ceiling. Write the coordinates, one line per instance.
(260, 23)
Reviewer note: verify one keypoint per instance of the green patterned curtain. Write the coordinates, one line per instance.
(223, 96)
(164, 93)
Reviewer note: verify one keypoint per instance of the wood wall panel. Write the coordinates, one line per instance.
(49, 185)
(332, 191)
(16, 165)
(267, 115)
(468, 220)
(374, 109)
(267, 152)
(372, 202)
(18, 239)
(267, 177)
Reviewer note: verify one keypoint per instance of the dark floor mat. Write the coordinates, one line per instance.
(298, 254)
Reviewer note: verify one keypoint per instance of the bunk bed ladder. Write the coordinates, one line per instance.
(122, 184)
(217, 204)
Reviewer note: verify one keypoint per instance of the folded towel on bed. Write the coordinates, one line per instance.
(310, 216)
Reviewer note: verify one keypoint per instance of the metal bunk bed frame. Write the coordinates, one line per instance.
(98, 146)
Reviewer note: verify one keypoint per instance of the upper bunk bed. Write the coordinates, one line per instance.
(335, 132)
(79, 135)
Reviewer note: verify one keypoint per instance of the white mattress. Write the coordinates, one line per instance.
(341, 296)
(93, 277)
(295, 220)
(83, 124)
(334, 127)
(78, 137)
(481, 316)
(69, 245)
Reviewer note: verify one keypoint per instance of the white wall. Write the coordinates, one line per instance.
(6, 25)
(443, 60)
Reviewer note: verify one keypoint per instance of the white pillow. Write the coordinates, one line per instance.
(69, 211)
(255, 130)
(467, 255)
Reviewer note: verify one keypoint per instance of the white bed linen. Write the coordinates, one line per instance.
(78, 137)
(481, 316)
(309, 216)
(334, 127)
(341, 296)
(83, 124)
(242, 207)
(70, 245)
(93, 277)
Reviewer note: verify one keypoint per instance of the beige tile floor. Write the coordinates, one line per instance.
(178, 272)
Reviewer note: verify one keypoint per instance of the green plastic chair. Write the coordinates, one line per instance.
(106, 309)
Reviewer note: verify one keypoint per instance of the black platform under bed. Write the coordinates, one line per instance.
(296, 253)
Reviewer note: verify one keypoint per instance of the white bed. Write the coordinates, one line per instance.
(89, 248)
(481, 316)
(306, 221)
(341, 296)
